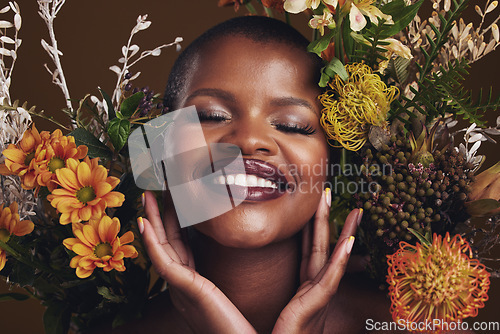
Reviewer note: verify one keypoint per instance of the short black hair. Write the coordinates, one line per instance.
(259, 29)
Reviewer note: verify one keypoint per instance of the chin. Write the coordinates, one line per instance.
(240, 232)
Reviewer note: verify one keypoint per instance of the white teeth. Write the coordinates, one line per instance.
(240, 180)
(252, 180)
(245, 181)
(261, 182)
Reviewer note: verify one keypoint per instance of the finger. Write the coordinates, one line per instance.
(153, 215)
(320, 249)
(327, 281)
(351, 224)
(173, 229)
(306, 250)
(166, 266)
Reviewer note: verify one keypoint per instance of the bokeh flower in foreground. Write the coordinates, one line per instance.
(97, 245)
(58, 151)
(85, 191)
(10, 225)
(436, 281)
(352, 106)
(22, 158)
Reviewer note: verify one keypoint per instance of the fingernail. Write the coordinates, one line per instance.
(328, 196)
(140, 224)
(360, 216)
(349, 244)
(143, 199)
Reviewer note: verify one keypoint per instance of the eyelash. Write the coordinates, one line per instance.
(295, 128)
(207, 116)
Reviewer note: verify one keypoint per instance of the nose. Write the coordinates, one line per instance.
(253, 136)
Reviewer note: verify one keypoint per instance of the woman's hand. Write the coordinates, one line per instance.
(204, 307)
(319, 274)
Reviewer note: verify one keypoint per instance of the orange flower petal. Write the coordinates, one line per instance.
(85, 213)
(84, 174)
(82, 273)
(3, 259)
(81, 249)
(14, 154)
(102, 189)
(70, 242)
(91, 235)
(129, 251)
(114, 199)
(23, 227)
(67, 178)
(128, 237)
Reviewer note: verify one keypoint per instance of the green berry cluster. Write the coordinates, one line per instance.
(409, 195)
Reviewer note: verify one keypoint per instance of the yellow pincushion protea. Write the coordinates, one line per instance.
(352, 106)
(97, 245)
(436, 281)
(11, 225)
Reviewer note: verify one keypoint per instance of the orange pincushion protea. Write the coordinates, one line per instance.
(85, 191)
(58, 150)
(97, 245)
(436, 281)
(10, 225)
(22, 158)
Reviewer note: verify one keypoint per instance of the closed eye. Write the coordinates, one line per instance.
(295, 128)
(212, 116)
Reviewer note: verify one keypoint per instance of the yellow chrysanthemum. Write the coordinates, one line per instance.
(97, 245)
(352, 106)
(436, 281)
(10, 225)
(59, 149)
(85, 191)
(22, 158)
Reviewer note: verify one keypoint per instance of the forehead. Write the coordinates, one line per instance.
(236, 60)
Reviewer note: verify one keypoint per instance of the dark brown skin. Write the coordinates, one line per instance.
(264, 266)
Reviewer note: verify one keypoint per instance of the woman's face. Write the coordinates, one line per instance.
(262, 98)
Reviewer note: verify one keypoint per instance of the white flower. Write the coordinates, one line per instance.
(395, 46)
(321, 21)
(298, 6)
(365, 7)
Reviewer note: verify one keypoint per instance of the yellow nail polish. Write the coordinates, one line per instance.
(349, 244)
(140, 224)
(328, 196)
(143, 199)
(360, 216)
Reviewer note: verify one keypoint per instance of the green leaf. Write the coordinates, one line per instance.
(482, 207)
(324, 79)
(335, 67)
(95, 146)
(118, 131)
(13, 296)
(401, 14)
(423, 240)
(398, 67)
(56, 319)
(110, 295)
(130, 104)
(321, 44)
(111, 109)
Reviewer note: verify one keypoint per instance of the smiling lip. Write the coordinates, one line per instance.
(262, 182)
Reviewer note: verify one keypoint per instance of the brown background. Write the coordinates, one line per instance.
(90, 33)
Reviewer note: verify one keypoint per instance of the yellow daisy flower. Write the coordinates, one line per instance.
(352, 106)
(58, 150)
(85, 191)
(22, 158)
(97, 245)
(436, 281)
(10, 225)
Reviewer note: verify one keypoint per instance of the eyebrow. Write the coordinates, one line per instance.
(227, 96)
(292, 101)
(214, 92)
